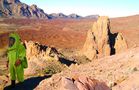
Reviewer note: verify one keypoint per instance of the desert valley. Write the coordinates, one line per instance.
(71, 52)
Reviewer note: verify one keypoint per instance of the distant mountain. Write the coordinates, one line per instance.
(57, 15)
(17, 9)
(61, 15)
(74, 16)
(91, 16)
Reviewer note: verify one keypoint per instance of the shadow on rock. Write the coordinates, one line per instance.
(28, 84)
(67, 62)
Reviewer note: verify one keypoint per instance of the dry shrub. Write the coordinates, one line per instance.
(54, 67)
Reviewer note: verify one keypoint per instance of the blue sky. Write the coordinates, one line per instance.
(111, 8)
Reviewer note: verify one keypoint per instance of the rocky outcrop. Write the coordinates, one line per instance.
(89, 49)
(38, 55)
(80, 83)
(97, 41)
(40, 51)
(100, 33)
(101, 42)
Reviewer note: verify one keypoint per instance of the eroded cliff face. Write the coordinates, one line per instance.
(101, 42)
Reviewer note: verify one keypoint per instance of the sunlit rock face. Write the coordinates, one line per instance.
(120, 43)
(38, 55)
(101, 42)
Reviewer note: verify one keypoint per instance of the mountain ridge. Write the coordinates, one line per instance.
(17, 9)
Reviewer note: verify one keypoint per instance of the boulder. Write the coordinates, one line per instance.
(67, 84)
(87, 83)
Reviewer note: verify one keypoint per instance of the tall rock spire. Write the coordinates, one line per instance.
(99, 41)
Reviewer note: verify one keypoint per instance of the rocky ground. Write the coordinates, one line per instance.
(116, 65)
(117, 71)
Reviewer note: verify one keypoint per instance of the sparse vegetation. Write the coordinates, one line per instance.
(54, 67)
(82, 59)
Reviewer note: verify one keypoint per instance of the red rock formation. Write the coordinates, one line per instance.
(97, 41)
(37, 56)
(89, 48)
(101, 42)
